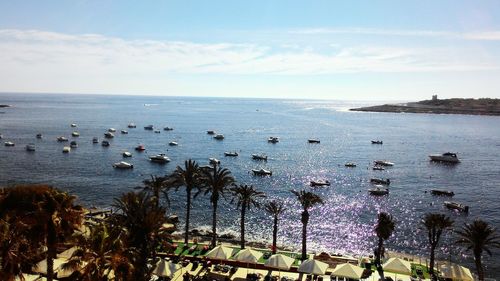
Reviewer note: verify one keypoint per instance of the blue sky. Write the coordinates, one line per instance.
(354, 50)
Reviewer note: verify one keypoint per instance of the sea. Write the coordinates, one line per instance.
(343, 224)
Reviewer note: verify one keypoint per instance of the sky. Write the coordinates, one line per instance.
(343, 50)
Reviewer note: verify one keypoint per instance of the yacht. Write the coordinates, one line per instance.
(320, 183)
(259, 157)
(456, 206)
(168, 129)
(378, 191)
(149, 127)
(262, 172)
(377, 142)
(273, 139)
(442, 192)
(124, 132)
(350, 164)
(210, 132)
(445, 157)
(380, 181)
(61, 139)
(95, 140)
(73, 144)
(173, 143)
(160, 158)
(219, 137)
(123, 165)
(109, 135)
(378, 168)
(383, 163)
(140, 147)
(39, 136)
(1, 136)
(30, 147)
(313, 141)
(66, 149)
(9, 143)
(75, 134)
(73, 125)
(213, 161)
(131, 125)
(111, 130)
(233, 154)
(105, 143)
(126, 154)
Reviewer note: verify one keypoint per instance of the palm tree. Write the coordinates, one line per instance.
(435, 225)
(478, 236)
(142, 220)
(245, 196)
(307, 200)
(275, 208)
(383, 230)
(155, 186)
(189, 177)
(216, 182)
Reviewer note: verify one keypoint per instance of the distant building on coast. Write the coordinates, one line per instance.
(434, 97)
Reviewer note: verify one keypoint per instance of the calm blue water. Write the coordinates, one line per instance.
(344, 224)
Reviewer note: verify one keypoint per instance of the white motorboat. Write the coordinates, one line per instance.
(126, 154)
(273, 139)
(95, 140)
(9, 143)
(73, 144)
(30, 147)
(380, 181)
(445, 157)
(259, 157)
(123, 165)
(313, 141)
(109, 135)
(383, 163)
(219, 137)
(210, 132)
(159, 158)
(456, 206)
(66, 149)
(131, 125)
(73, 125)
(124, 132)
(75, 134)
(377, 142)
(378, 168)
(233, 154)
(213, 161)
(173, 143)
(149, 127)
(39, 136)
(61, 139)
(105, 143)
(378, 191)
(111, 130)
(262, 172)
(168, 129)
(1, 136)
(320, 183)
(350, 164)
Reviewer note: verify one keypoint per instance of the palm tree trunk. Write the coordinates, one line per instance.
(51, 249)
(275, 233)
(378, 259)
(214, 224)
(431, 263)
(305, 220)
(479, 266)
(242, 222)
(188, 213)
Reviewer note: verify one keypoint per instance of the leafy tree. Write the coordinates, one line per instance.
(275, 208)
(383, 230)
(307, 200)
(245, 197)
(435, 225)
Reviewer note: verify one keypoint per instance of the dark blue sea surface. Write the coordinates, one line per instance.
(343, 224)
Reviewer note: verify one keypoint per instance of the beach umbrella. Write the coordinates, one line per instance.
(30, 277)
(220, 253)
(348, 270)
(313, 267)
(248, 255)
(455, 272)
(165, 268)
(41, 267)
(279, 261)
(397, 265)
(67, 254)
